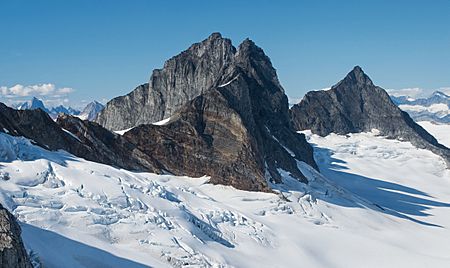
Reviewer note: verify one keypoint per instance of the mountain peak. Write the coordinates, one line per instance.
(213, 41)
(357, 68)
(441, 94)
(248, 49)
(355, 105)
(182, 78)
(248, 42)
(248, 45)
(34, 103)
(37, 101)
(91, 110)
(215, 35)
(213, 46)
(358, 76)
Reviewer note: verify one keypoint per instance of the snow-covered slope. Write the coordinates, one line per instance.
(440, 131)
(382, 203)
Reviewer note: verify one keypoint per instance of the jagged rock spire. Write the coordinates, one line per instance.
(357, 77)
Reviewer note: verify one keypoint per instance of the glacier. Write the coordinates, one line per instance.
(376, 203)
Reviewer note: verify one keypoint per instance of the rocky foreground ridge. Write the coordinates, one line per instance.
(81, 138)
(12, 250)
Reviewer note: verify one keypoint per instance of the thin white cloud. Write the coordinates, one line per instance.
(65, 90)
(34, 90)
(23, 91)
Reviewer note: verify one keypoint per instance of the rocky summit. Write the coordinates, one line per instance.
(12, 250)
(355, 105)
(183, 77)
(238, 131)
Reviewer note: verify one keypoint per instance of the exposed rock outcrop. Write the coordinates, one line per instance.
(104, 146)
(183, 77)
(355, 104)
(12, 250)
(81, 138)
(238, 131)
(36, 125)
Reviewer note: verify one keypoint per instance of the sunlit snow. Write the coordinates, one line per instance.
(377, 203)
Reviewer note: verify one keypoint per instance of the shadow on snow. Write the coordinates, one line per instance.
(391, 198)
(54, 250)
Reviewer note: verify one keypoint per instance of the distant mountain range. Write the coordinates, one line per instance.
(434, 108)
(88, 113)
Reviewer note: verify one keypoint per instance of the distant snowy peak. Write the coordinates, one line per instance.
(36, 103)
(435, 98)
(61, 109)
(91, 110)
(434, 108)
(440, 95)
(32, 104)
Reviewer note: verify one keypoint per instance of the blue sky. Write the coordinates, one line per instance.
(83, 50)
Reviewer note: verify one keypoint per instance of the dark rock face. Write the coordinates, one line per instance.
(88, 140)
(238, 132)
(36, 125)
(101, 145)
(183, 77)
(355, 104)
(12, 250)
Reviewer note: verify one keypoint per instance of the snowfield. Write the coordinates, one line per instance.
(440, 109)
(377, 203)
(440, 131)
